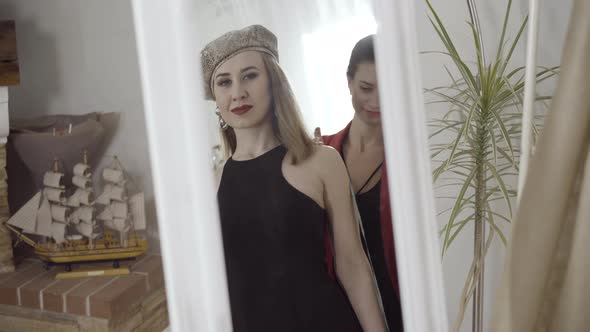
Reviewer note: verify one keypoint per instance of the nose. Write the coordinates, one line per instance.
(239, 92)
(374, 101)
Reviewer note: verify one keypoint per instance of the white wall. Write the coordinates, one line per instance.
(454, 13)
(77, 57)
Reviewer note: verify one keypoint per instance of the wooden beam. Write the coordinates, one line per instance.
(9, 70)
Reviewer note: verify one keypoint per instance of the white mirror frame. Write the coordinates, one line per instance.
(417, 245)
(179, 145)
(190, 234)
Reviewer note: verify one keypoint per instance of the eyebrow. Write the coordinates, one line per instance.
(248, 68)
(241, 71)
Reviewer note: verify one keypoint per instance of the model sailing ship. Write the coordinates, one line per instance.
(77, 228)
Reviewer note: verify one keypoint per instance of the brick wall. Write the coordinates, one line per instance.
(127, 300)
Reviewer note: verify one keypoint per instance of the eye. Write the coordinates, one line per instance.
(223, 82)
(250, 76)
(366, 89)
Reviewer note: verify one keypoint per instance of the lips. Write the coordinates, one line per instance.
(373, 114)
(241, 109)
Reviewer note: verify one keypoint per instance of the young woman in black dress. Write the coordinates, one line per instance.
(276, 191)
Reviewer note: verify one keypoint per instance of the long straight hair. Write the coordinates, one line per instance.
(286, 116)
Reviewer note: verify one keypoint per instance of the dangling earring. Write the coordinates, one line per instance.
(222, 124)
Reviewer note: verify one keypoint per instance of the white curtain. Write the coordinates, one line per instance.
(545, 282)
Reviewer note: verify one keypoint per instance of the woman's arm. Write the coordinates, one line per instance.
(352, 266)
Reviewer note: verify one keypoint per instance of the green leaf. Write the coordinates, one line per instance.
(480, 64)
(500, 216)
(443, 129)
(502, 186)
(449, 45)
(494, 226)
(516, 40)
(460, 225)
(504, 26)
(462, 134)
(494, 148)
(455, 211)
(503, 130)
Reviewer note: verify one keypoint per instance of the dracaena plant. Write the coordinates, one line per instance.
(475, 140)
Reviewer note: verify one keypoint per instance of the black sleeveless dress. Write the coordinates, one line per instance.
(273, 236)
(368, 205)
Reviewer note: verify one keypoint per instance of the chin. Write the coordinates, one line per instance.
(370, 120)
(247, 123)
(241, 125)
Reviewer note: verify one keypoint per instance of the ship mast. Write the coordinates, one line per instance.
(84, 216)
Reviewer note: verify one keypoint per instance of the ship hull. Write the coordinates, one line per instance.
(99, 251)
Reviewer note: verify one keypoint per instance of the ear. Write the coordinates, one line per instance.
(350, 85)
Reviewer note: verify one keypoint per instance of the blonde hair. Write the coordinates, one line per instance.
(286, 116)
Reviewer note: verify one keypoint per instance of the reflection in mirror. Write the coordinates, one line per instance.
(297, 254)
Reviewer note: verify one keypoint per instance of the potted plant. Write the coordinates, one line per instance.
(475, 143)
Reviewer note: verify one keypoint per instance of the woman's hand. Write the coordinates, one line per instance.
(317, 136)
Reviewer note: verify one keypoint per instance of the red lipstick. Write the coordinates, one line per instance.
(373, 114)
(241, 109)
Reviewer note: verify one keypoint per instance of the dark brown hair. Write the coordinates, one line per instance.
(363, 52)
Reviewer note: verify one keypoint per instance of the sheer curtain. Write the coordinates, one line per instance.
(545, 281)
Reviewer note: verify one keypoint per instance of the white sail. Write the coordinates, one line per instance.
(60, 213)
(106, 214)
(81, 169)
(112, 192)
(118, 224)
(80, 197)
(74, 237)
(53, 179)
(137, 207)
(113, 175)
(81, 182)
(86, 214)
(44, 219)
(109, 224)
(86, 197)
(74, 217)
(55, 195)
(58, 231)
(118, 193)
(26, 216)
(105, 197)
(120, 210)
(74, 199)
(87, 230)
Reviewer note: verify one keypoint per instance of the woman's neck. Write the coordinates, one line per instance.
(252, 142)
(363, 136)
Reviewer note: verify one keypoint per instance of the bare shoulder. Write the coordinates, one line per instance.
(325, 154)
(327, 161)
(324, 161)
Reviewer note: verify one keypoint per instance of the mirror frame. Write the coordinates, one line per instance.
(417, 244)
